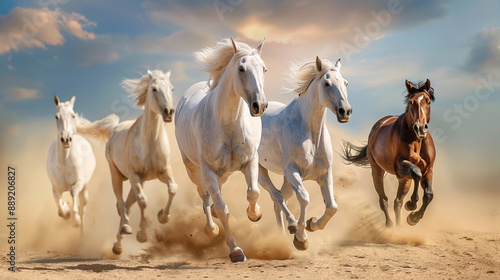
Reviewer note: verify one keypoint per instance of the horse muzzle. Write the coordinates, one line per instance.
(167, 114)
(421, 130)
(343, 114)
(257, 109)
(65, 142)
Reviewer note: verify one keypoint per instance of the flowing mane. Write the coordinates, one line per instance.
(138, 88)
(300, 77)
(215, 59)
(418, 87)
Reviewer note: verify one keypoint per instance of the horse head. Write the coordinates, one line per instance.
(249, 69)
(419, 107)
(65, 120)
(333, 90)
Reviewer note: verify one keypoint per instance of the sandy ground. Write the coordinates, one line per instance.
(459, 238)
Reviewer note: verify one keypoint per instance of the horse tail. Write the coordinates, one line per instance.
(355, 155)
(100, 129)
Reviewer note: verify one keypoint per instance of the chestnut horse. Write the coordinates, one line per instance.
(401, 146)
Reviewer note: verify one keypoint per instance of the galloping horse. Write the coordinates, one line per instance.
(401, 146)
(139, 150)
(218, 131)
(70, 164)
(295, 143)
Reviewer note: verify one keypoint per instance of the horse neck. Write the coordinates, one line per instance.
(407, 129)
(226, 104)
(313, 113)
(151, 124)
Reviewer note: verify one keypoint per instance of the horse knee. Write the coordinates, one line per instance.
(428, 196)
(142, 201)
(172, 188)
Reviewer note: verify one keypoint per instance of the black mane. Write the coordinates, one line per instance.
(418, 87)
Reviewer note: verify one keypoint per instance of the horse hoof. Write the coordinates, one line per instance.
(411, 220)
(142, 236)
(212, 210)
(311, 220)
(410, 206)
(117, 250)
(256, 217)
(300, 245)
(64, 215)
(292, 228)
(237, 256)
(161, 218)
(212, 232)
(126, 229)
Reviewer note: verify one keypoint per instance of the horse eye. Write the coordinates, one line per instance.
(346, 83)
(57, 117)
(429, 103)
(265, 70)
(74, 116)
(241, 69)
(154, 89)
(327, 84)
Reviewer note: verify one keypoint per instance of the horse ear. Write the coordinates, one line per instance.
(338, 64)
(259, 47)
(167, 74)
(234, 45)
(150, 74)
(319, 64)
(427, 85)
(56, 100)
(409, 86)
(72, 100)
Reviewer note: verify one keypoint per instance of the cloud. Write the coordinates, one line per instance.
(104, 49)
(182, 42)
(25, 28)
(485, 52)
(18, 93)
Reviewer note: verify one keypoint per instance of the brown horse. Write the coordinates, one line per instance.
(401, 146)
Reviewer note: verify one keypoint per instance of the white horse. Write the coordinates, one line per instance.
(295, 143)
(216, 132)
(70, 164)
(139, 150)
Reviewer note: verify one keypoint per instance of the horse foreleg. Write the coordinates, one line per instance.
(168, 178)
(251, 172)
(210, 181)
(293, 177)
(136, 184)
(75, 194)
(378, 181)
(62, 206)
(279, 201)
(407, 169)
(124, 226)
(403, 188)
(326, 184)
(415, 217)
(84, 197)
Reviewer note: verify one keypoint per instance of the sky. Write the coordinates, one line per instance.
(87, 48)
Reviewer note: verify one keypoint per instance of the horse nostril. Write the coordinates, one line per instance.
(341, 111)
(349, 112)
(70, 139)
(426, 126)
(267, 104)
(62, 139)
(415, 127)
(172, 111)
(255, 107)
(165, 111)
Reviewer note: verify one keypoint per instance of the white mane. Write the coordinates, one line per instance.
(300, 77)
(216, 58)
(138, 88)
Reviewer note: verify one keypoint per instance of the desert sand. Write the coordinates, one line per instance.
(459, 237)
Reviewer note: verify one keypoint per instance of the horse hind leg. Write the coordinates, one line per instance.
(292, 175)
(168, 178)
(124, 226)
(279, 201)
(403, 188)
(378, 181)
